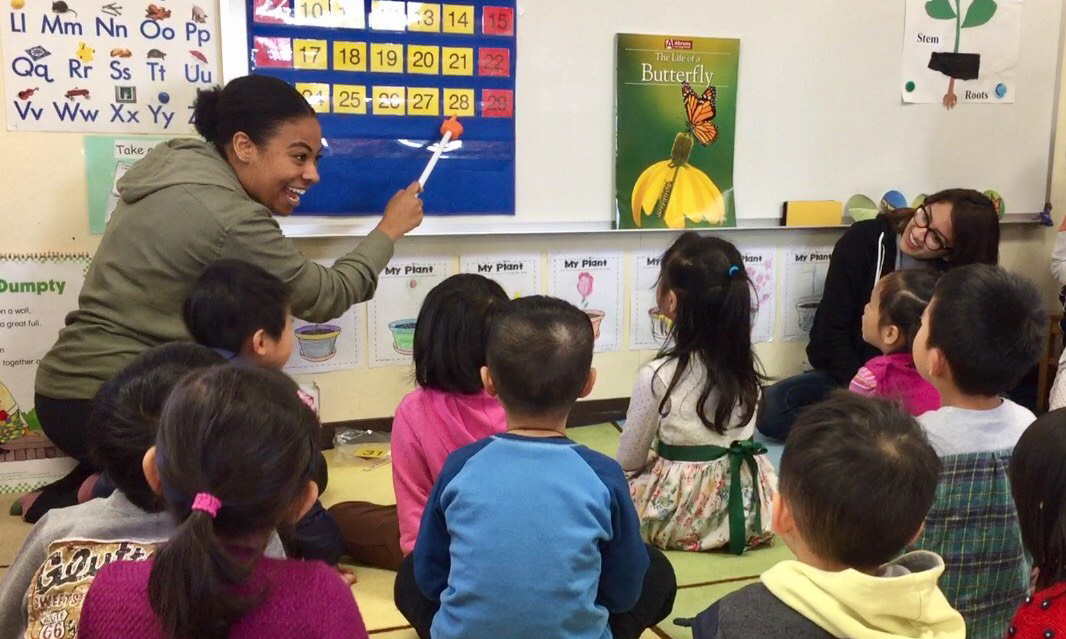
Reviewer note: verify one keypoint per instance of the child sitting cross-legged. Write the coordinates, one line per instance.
(526, 533)
(856, 480)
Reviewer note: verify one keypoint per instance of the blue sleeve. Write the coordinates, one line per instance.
(431, 554)
(624, 559)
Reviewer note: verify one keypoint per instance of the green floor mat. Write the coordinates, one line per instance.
(602, 438)
(691, 567)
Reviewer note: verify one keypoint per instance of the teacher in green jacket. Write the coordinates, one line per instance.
(183, 206)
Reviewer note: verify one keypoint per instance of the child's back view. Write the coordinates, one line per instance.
(233, 460)
(857, 478)
(450, 407)
(528, 534)
(697, 399)
(1038, 482)
(982, 331)
(243, 312)
(43, 589)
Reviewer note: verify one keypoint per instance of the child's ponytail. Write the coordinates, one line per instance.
(191, 585)
(712, 326)
(235, 452)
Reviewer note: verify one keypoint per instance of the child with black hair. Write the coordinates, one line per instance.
(242, 312)
(450, 407)
(848, 579)
(982, 331)
(43, 589)
(233, 459)
(526, 533)
(889, 323)
(1038, 483)
(697, 401)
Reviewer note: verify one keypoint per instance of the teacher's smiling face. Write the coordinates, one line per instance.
(277, 172)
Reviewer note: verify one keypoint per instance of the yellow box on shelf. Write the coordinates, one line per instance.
(813, 213)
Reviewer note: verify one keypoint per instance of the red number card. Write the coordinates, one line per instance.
(272, 12)
(497, 21)
(497, 103)
(494, 62)
(272, 53)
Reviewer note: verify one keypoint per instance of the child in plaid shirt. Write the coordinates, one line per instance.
(980, 334)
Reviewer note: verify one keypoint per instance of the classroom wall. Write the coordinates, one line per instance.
(45, 209)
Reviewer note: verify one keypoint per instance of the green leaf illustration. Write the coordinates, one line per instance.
(940, 10)
(32, 421)
(980, 12)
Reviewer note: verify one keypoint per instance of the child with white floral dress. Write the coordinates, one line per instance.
(697, 479)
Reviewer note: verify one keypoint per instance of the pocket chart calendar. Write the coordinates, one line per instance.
(383, 76)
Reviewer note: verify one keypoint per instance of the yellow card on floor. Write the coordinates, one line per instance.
(370, 453)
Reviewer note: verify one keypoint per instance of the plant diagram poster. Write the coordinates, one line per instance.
(959, 51)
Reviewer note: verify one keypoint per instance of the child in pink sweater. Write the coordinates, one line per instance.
(450, 407)
(234, 459)
(890, 321)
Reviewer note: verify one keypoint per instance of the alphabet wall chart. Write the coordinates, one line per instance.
(107, 65)
(382, 76)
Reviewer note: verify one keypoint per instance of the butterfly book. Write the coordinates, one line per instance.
(676, 126)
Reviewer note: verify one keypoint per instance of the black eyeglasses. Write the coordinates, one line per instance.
(934, 240)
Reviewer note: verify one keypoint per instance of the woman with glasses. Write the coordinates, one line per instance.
(951, 228)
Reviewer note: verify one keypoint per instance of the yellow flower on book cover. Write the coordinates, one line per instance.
(674, 189)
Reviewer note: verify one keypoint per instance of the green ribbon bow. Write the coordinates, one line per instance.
(739, 452)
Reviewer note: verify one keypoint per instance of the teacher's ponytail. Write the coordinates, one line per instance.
(205, 112)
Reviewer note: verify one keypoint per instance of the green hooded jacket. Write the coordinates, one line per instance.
(182, 208)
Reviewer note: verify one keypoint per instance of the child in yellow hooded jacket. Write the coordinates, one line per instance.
(856, 481)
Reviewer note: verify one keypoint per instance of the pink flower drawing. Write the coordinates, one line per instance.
(584, 286)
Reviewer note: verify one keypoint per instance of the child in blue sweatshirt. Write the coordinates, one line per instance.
(526, 533)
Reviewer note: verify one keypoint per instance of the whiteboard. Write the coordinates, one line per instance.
(819, 110)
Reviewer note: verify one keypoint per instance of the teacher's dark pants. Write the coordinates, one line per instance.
(655, 603)
(65, 422)
(785, 400)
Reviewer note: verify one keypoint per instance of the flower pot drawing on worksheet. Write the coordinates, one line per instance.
(806, 307)
(596, 317)
(660, 324)
(318, 342)
(403, 336)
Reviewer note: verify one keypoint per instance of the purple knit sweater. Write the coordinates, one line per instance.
(306, 599)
